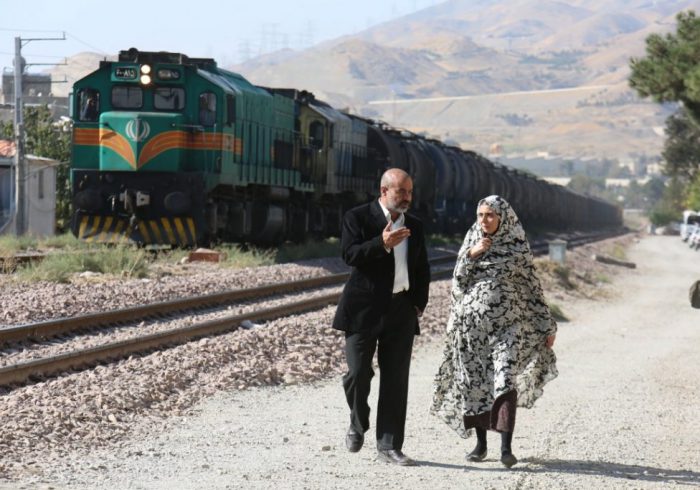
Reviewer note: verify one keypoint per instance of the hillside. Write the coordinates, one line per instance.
(526, 75)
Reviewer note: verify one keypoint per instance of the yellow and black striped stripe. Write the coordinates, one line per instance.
(179, 231)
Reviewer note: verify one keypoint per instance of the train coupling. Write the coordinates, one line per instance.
(132, 200)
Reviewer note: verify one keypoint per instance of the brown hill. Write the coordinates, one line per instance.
(527, 75)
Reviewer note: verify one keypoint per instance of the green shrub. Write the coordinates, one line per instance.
(557, 314)
(10, 244)
(64, 241)
(241, 256)
(618, 252)
(561, 272)
(309, 250)
(123, 260)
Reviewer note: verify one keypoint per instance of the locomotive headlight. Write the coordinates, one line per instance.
(145, 74)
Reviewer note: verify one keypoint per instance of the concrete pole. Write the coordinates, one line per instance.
(20, 162)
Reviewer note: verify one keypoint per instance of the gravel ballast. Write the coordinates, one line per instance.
(200, 415)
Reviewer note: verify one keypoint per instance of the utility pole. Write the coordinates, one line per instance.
(20, 163)
(21, 201)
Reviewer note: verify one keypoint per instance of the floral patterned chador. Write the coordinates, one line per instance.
(495, 340)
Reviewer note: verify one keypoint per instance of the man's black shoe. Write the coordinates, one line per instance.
(354, 440)
(395, 456)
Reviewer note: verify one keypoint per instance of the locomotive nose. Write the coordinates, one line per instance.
(141, 141)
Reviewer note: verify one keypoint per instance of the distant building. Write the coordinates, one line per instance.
(496, 150)
(36, 90)
(654, 169)
(41, 192)
(632, 165)
(625, 182)
(36, 87)
(609, 182)
(563, 181)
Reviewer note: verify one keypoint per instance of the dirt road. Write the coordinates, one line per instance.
(622, 414)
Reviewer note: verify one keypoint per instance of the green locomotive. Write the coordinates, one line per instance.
(174, 150)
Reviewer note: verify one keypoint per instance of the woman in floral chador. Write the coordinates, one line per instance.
(500, 332)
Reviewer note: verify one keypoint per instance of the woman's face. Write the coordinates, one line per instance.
(488, 219)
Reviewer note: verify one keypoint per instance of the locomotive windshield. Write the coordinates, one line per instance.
(127, 97)
(169, 98)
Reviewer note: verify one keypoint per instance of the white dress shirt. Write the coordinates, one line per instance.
(400, 254)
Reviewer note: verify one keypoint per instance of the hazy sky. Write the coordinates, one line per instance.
(228, 31)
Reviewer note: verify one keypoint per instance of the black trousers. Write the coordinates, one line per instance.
(392, 339)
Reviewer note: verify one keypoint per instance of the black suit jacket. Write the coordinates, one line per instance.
(367, 293)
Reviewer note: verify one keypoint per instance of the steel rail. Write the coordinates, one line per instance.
(23, 372)
(84, 358)
(52, 328)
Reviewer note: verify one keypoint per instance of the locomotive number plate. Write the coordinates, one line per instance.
(125, 73)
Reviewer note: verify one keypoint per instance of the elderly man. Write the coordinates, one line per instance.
(379, 309)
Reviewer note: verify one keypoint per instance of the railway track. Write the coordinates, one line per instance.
(29, 371)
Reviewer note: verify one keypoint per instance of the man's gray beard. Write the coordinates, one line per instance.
(399, 209)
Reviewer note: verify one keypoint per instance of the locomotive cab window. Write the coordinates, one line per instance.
(230, 109)
(88, 104)
(127, 97)
(169, 98)
(316, 134)
(207, 109)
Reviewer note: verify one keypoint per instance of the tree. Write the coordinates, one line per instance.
(670, 72)
(567, 168)
(670, 206)
(587, 185)
(45, 138)
(682, 147)
(692, 200)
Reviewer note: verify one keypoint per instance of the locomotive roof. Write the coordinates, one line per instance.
(133, 55)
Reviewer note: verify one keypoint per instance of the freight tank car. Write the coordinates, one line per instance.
(172, 150)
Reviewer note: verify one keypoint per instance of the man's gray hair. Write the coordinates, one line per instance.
(392, 176)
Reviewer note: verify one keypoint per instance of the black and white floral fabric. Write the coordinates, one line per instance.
(498, 324)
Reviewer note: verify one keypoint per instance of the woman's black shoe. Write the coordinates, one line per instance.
(479, 452)
(508, 459)
(477, 455)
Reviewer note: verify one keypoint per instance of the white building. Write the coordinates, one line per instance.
(40, 192)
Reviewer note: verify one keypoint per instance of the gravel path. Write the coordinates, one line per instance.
(622, 414)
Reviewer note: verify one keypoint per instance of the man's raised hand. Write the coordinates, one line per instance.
(392, 238)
